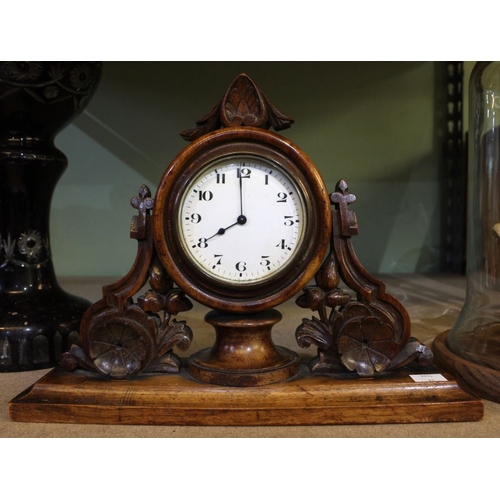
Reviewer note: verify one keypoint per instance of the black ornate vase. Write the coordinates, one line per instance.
(38, 320)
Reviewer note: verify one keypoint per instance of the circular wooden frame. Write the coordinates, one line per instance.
(296, 274)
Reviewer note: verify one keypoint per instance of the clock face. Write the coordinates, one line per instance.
(242, 220)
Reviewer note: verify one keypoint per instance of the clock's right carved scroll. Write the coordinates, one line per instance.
(366, 333)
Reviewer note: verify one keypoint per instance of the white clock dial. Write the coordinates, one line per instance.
(242, 220)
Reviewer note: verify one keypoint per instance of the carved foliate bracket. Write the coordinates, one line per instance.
(120, 337)
(366, 333)
(243, 104)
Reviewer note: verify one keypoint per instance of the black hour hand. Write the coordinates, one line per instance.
(240, 220)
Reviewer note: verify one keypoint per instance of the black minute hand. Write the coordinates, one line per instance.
(241, 194)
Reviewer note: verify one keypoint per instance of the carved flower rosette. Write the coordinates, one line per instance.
(121, 343)
(349, 335)
(364, 342)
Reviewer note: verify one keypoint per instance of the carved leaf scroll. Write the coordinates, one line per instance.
(243, 104)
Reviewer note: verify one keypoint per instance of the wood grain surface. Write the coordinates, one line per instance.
(433, 303)
(178, 400)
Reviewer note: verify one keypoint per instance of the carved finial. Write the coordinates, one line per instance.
(342, 198)
(144, 203)
(341, 193)
(243, 104)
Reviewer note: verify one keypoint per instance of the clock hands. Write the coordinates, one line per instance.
(241, 193)
(240, 220)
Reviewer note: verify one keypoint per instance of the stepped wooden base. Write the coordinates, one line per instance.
(476, 379)
(76, 397)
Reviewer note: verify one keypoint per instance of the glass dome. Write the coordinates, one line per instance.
(476, 334)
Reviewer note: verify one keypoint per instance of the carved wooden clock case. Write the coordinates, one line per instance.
(242, 222)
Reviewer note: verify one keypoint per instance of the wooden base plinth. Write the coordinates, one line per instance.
(476, 379)
(77, 397)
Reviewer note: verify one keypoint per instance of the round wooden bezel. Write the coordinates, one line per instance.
(296, 274)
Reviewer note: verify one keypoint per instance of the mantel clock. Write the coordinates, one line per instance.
(241, 223)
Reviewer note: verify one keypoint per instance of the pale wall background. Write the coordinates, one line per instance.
(370, 123)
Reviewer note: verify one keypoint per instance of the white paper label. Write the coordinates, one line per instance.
(428, 377)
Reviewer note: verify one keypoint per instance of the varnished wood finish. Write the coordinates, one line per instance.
(120, 337)
(243, 104)
(307, 400)
(244, 354)
(368, 331)
(369, 289)
(296, 274)
(125, 340)
(474, 378)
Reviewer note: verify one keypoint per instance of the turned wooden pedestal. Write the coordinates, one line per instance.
(244, 354)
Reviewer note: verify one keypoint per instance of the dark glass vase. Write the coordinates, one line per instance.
(38, 319)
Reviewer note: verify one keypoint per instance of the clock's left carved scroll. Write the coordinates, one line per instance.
(120, 337)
